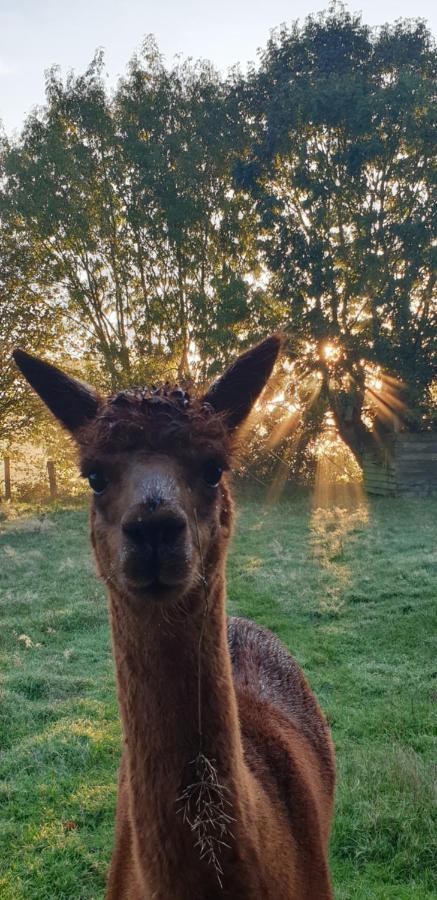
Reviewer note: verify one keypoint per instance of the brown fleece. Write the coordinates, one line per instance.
(263, 733)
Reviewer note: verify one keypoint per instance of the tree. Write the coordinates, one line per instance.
(26, 321)
(127, 203)
(341, 172)
(193, 240)
(61, 182)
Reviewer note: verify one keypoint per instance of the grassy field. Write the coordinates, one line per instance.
(352, 593)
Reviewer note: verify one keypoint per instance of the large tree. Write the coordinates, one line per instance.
(341, 169)
(193, 238)
(129, 204)
(61, 191)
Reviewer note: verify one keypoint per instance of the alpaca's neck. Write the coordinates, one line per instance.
(157, 661)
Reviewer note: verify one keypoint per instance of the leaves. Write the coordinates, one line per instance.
(157, 232)
(341, 173)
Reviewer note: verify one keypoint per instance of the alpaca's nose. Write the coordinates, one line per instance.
(154, 526)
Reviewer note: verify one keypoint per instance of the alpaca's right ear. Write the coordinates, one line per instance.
(71, 401)
(236, 391)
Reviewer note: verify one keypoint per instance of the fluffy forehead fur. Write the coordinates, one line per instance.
(161, 420)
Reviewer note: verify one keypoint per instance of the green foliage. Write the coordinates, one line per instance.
(27, 321)
(350, 591)
(342, 172)
(156, 231)
(127, 204)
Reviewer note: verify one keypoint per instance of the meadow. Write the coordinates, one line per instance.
(351, 591)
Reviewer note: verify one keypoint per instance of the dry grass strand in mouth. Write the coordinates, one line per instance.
(204, 806)
(204, 803)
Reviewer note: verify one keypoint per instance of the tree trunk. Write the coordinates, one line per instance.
(352, 430)
(347, 409)
(7, 468)
(51, 472)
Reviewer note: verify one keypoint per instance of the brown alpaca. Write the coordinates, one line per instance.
(227, 776)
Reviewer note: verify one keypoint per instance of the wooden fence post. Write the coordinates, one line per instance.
(7, 468)
(52, 479)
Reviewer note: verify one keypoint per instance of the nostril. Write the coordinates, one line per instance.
(171, 529)
(135, 530)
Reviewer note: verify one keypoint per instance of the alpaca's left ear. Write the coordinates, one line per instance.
(71, 401)
(237, 390)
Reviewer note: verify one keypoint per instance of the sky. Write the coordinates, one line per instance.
(36, 34)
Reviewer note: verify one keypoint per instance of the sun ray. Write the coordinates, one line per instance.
(288, 425)
(338, 479)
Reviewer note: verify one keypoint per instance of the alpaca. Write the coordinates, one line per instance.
(227, 775)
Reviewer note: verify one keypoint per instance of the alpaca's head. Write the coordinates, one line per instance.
(157, 462)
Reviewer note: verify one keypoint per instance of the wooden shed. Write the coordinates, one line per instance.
(406, 466)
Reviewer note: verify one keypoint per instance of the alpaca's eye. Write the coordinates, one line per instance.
(98, 482)
(212, 473)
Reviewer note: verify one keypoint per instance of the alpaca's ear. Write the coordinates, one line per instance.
(236, 391)
(71, 401)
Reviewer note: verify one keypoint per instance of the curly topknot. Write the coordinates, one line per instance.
(162, 419)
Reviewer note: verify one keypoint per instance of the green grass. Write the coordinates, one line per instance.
(353, 594)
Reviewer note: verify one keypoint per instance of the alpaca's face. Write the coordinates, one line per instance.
(159, 521)
(156, 461)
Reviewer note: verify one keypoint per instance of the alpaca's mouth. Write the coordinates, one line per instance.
(155, 588)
